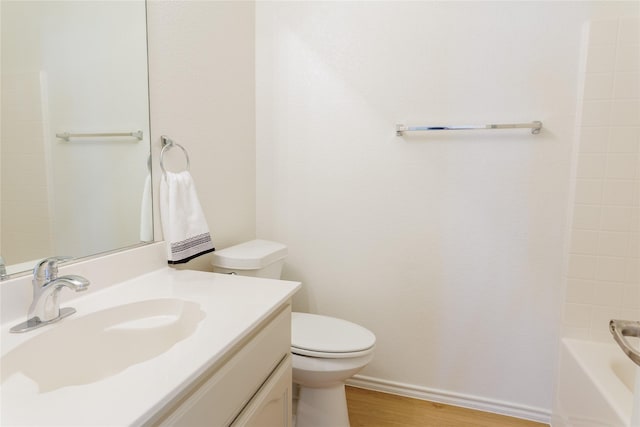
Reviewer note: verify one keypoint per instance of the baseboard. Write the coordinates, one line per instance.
(450, 398)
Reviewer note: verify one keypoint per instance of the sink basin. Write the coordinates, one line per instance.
(87, 349)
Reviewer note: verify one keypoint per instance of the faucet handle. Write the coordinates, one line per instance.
(47, 269)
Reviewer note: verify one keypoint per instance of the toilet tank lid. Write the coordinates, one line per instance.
(250, 255)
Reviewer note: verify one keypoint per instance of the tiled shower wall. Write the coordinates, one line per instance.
(26, 216)
(604, 262)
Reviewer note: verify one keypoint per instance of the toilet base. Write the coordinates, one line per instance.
(322, 407)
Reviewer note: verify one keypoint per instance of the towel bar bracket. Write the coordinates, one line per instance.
(167, 144)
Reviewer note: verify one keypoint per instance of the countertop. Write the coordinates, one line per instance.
(228, 309)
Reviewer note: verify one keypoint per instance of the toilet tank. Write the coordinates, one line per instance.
(257, 258)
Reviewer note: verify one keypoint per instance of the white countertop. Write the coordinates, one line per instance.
(231, 307)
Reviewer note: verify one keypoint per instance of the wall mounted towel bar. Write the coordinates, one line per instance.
(534, 126)
(67, 135)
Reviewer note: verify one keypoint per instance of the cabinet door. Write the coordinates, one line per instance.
(224, 394)
(271, 406)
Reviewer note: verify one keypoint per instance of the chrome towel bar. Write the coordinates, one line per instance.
(534, 126)
(67, 135)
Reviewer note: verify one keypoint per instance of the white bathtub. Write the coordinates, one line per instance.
(596, 384)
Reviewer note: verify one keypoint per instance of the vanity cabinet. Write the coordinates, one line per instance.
(272, 405)
(251, 386)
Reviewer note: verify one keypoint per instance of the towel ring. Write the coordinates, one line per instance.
(167, 144)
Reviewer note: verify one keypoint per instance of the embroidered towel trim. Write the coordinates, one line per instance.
(183, 223)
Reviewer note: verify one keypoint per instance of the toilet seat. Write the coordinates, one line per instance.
(324, 355)
(314, 335)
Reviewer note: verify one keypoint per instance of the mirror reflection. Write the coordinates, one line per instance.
(78, 68)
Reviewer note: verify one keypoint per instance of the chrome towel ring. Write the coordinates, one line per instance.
(168, 143)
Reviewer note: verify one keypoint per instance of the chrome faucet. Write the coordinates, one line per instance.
(45, 307)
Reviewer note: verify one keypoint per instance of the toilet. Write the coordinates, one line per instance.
(326, 351)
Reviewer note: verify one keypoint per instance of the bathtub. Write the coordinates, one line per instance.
(596, 385)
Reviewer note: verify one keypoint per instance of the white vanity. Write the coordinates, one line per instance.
(163, 348)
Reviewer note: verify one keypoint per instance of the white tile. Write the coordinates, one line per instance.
(34, 211)
(23, 101)
(632, 271)
(601, 59)
(626, 85)
(627, 59)
(629, 31)
(29, 141)
(634, 244)
(577, 314)
(599, 323)
(611, 269)
(31, 167)
(581, 291)
(582, 266)
(625, 112)
(586, 217)
(609, 294)
(622, 166)
(604, 32)
(624, 140)
(616, 218)
(598, 86)
(619, 193)
(23, 110)
(602, 315)
(581, 332)
(591, 166)
(596, 113)
(599, 334)
(600, 318)
(614, 243)
(635, 219)
(588, 191)
(584, 242)
(26, 191)
(631, 296)
(594, 139)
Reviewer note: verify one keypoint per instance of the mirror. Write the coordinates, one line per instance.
(77, 67)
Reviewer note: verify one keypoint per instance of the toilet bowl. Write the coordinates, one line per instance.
(326, 351)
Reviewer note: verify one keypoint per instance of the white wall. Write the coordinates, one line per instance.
(449, 247)
(604, 269)
(202, 95)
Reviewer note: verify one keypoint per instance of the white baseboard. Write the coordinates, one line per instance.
(450, 398)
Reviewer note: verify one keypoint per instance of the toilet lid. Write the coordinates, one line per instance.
(323, 334)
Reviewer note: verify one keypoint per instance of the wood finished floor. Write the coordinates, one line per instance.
(374, 409)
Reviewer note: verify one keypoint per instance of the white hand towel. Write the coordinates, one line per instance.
(146, 212)
(183, 223)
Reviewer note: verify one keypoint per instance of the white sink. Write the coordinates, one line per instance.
(86, 349)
